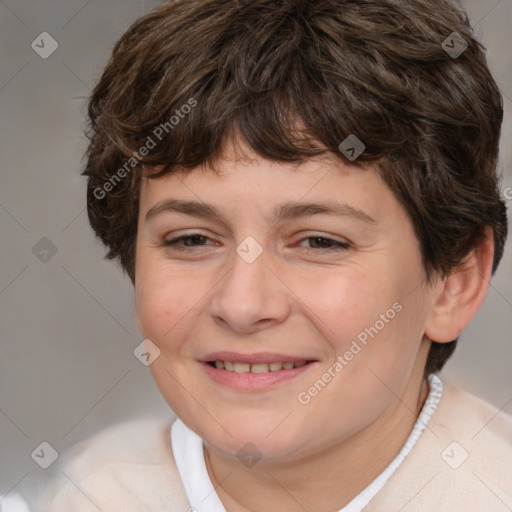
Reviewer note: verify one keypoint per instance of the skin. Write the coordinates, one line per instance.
(299, 299)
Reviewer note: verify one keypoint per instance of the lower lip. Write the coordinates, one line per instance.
(253, 381)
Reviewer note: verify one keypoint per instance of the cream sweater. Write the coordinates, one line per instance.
(462, 462)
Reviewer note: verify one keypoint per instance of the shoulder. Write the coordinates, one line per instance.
(469, 418)
(463, 459)
(129, 466)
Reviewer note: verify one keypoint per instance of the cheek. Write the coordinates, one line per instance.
(161, 300)
(373, 321)
(168, 302)
(162, 314)
(347, 304)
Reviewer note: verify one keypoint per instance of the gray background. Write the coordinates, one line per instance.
(68, 332)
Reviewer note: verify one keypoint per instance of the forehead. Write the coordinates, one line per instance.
(242, 183)
(239, 165)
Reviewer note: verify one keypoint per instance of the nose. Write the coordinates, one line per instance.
(251, 296)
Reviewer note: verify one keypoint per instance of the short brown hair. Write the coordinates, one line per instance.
(379, 70)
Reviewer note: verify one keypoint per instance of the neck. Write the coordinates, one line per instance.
(340, 473)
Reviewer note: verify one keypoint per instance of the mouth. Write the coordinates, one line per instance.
(239, 367)
(256, 372)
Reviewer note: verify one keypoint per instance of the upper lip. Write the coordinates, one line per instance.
(259, 357)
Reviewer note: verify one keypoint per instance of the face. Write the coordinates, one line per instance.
(338, 289)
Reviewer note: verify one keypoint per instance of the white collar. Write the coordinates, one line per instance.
(187, 447)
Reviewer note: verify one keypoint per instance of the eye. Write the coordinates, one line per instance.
(194, 238)
(319, 243)
(325, 243)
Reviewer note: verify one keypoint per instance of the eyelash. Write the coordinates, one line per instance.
(339, 245)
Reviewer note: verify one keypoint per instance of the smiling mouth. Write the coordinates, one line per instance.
(237, 367)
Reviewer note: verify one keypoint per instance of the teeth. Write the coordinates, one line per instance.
(241, 367)
(257, 367)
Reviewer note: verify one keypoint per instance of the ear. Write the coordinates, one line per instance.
(460, 294)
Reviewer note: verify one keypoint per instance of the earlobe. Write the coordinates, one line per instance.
(461, 293)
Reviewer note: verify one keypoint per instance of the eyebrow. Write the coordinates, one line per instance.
(290, 210)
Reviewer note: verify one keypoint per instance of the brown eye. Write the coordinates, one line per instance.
(191, 240)
(322, 242)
